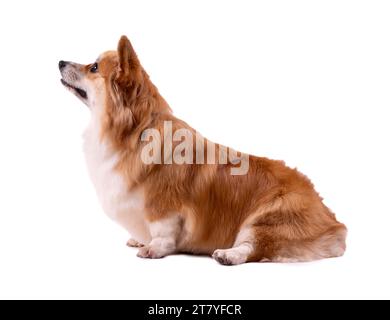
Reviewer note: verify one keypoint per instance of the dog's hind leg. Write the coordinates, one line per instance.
(240, 252)
(264, 243)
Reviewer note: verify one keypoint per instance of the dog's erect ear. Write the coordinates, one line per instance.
(128, 60)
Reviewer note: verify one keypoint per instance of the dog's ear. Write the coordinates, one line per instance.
(128, 60)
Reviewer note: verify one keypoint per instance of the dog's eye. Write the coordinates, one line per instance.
(94, 68)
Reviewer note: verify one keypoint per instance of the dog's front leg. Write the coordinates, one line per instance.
(164, 233)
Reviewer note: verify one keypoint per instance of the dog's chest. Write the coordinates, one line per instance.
(123, 206)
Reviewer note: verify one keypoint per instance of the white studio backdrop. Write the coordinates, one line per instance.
(303, 81)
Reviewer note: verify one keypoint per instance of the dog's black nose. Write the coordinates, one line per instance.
(62, 64)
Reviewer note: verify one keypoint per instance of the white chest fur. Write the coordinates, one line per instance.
(123, 206)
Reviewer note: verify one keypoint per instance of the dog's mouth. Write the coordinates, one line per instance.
(79, 92)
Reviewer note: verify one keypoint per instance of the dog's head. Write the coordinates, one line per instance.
(112, 70)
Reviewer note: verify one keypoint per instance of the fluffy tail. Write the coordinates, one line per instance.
(329, 244)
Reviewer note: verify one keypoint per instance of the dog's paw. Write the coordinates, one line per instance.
(134, 243)
(228, 256)
(149, 252)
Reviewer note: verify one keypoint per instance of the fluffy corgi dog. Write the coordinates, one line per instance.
(175, 191)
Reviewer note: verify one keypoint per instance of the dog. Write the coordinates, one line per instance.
(266, 213)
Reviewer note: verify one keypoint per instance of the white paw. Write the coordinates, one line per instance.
(150, 252)
(134, 243)
(231, 256)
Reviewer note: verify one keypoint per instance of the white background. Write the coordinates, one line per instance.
(303, 81)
